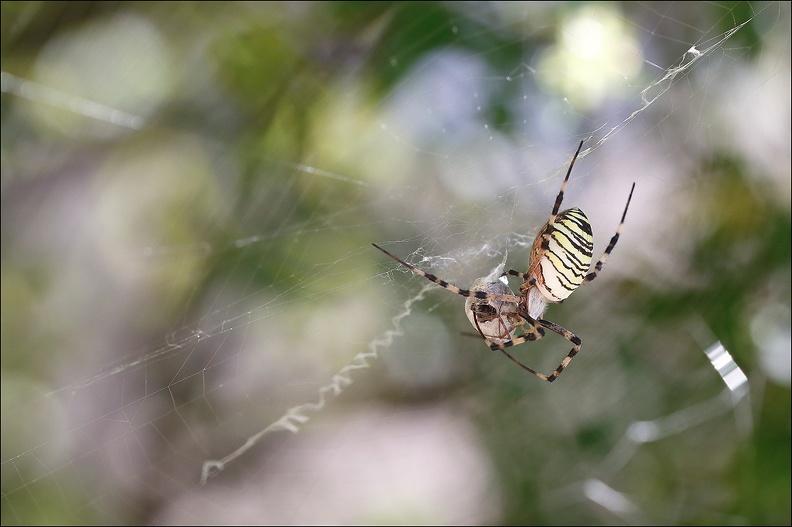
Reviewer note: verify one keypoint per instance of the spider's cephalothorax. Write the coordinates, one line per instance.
(560, 262)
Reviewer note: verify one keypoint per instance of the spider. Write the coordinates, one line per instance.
(560, 262)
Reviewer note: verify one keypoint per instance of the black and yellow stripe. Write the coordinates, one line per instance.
(560, 262)
(566, 257)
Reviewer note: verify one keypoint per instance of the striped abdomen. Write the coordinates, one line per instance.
(560, 266)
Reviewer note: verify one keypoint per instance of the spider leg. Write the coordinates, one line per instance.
(529, 336)
(535, 333)
(571, 337)
(560, 196)
(494, 347)
(523, 276)
(598, 266)
(483, 295)
(548, 228)
(503, 328)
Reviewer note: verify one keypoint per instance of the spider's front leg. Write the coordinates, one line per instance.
(480, 292)
(493, 318)
(499, 325)
(571, 337)
(535, 333)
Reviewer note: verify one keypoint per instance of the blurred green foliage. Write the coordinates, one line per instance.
(268, 255)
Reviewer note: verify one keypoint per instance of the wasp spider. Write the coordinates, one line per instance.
(560, 262)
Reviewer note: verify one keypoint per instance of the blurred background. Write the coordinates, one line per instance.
(189, 195)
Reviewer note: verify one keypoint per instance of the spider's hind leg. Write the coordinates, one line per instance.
(560, 197)
(598, 266)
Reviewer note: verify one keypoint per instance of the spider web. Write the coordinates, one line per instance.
(196, 328)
